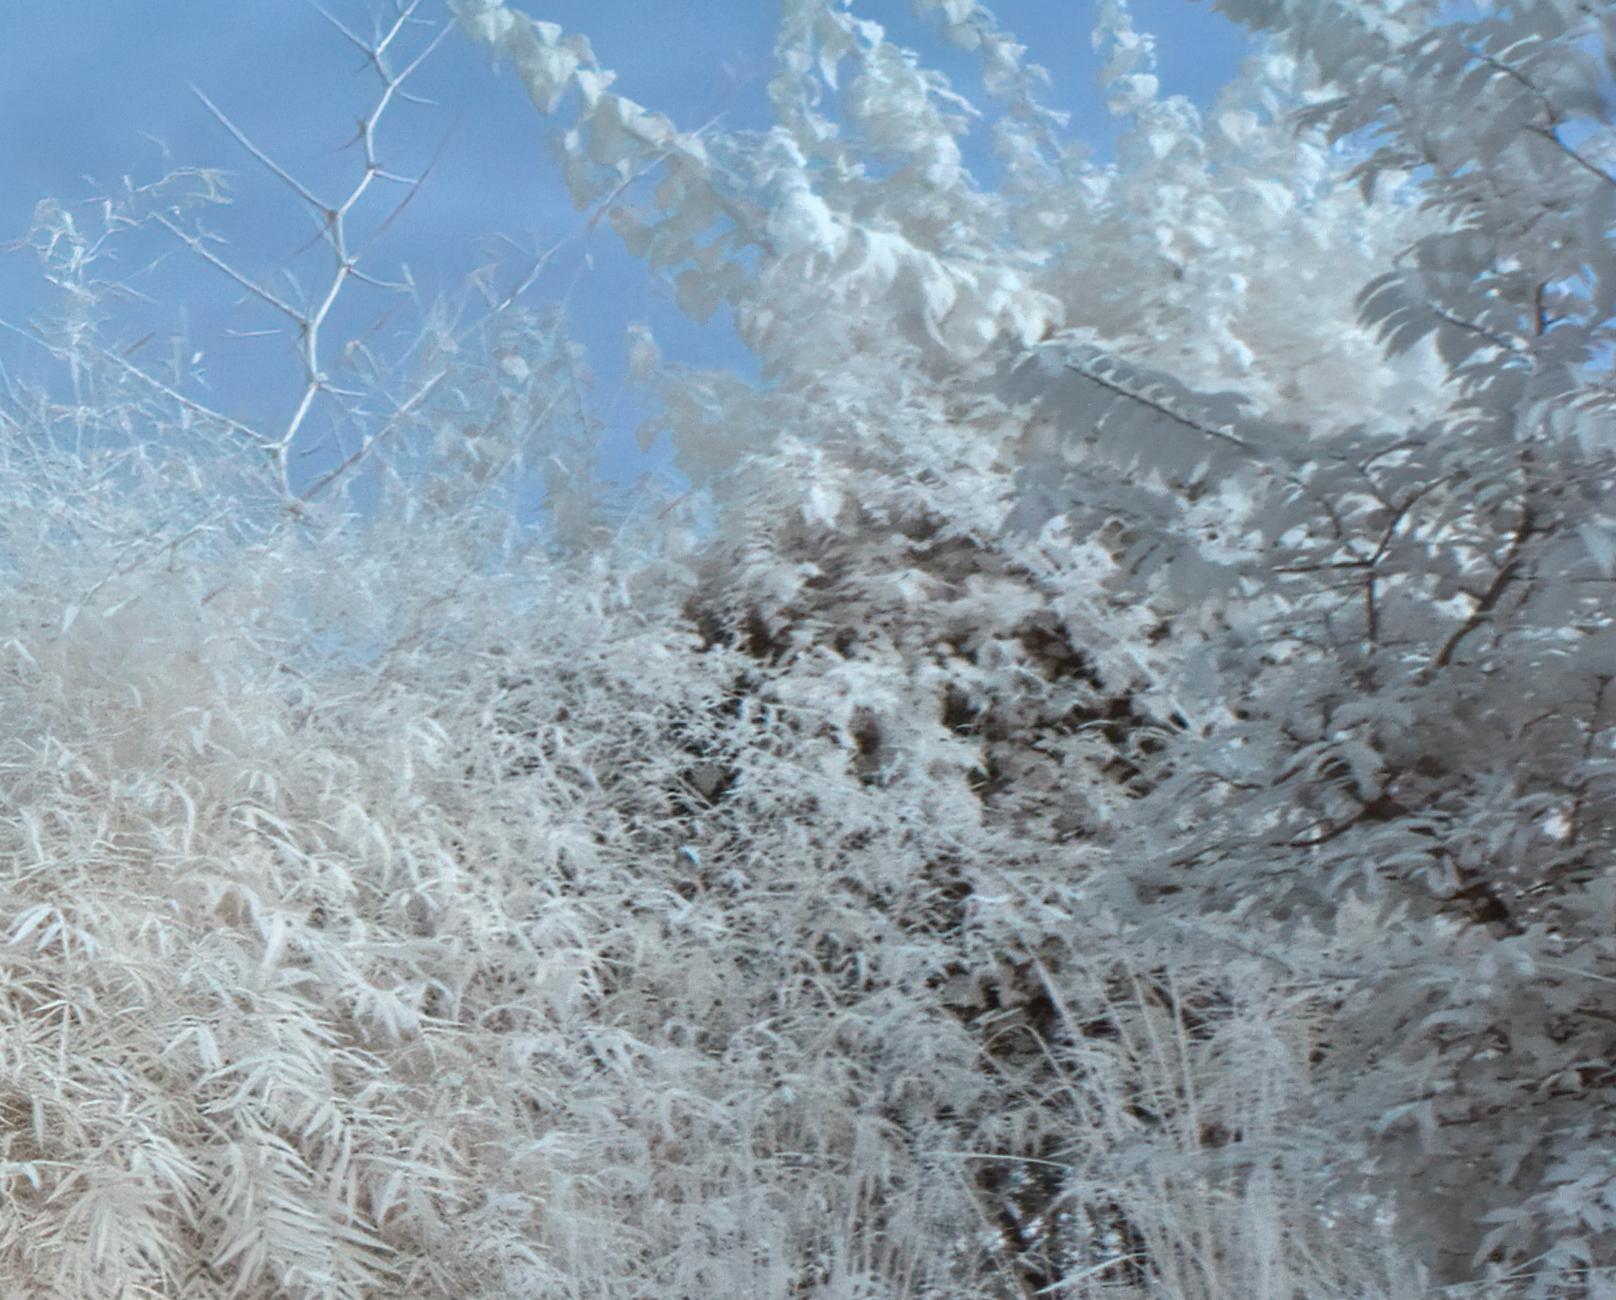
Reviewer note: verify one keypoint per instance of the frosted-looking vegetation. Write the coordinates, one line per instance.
(1099, 788)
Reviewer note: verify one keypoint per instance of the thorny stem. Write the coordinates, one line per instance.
(332, 219)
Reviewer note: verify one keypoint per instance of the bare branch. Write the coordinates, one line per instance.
(174, 395)
(195, 244)
(359, 43)
(302, 191)
(365, 447)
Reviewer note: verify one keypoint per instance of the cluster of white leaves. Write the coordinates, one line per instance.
(1325, 390)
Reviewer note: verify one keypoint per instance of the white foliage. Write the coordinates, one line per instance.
(1100, 787)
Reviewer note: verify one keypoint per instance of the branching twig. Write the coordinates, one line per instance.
(332, 218)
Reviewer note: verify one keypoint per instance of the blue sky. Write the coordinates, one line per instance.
(88, 88)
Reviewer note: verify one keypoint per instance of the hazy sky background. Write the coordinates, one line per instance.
(88, 88)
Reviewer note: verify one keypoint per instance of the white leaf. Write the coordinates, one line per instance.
(696, 295)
